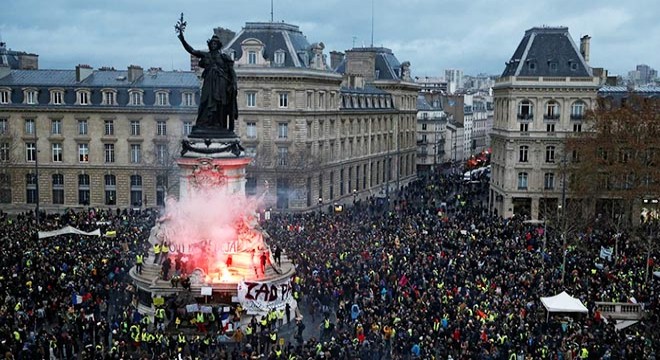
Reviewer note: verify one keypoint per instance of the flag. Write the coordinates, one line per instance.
(77, 299)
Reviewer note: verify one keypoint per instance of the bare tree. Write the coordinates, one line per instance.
(162, 159)
(9, 155)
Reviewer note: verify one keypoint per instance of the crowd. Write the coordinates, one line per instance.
(431, 275)
(435, 276)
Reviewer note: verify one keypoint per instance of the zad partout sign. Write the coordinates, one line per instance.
(257, 296)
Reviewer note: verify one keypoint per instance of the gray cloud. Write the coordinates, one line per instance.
(476, 36)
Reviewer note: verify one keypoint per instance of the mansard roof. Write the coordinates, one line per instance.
(547, 51)
(275, 37)
(387, 66)
(101, 79)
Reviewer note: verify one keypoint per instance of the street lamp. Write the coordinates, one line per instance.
(354, 196)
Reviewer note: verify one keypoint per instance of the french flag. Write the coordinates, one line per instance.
(76, 299)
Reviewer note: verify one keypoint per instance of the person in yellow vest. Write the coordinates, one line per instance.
(177, 322)
(156, 253)
(278, 352)
(159, 317)
(164, 250)
(139, 259)
(584, 353)
(280, 317)
(273, 340)
(200, 322)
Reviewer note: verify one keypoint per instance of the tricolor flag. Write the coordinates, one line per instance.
(77, 299)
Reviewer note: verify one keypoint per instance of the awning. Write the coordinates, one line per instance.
(563, 303)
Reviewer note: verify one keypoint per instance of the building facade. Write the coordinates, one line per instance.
(540, 99)
(321, 135)
(89, 137)
(431, 135)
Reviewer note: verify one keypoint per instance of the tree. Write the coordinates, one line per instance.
(616, 164)
(162, 160)
(8, 157)
(615, 160)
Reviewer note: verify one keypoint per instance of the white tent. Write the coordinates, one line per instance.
(563, 303)
(68, 230)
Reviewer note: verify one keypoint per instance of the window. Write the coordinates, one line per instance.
(109, 127)
(82, 127)
(161, 128)
(4, 151)
(58, 188)
(310, 96)
(549, 154)
(525, 109)
(251, 99)
(5, 188)
(29, 126)
(524, 127)
(522, 181)
(575, 156)
(136, 153)
(56, 152)
(56, 127)
(31, 188)
(56, 97)
(188, 99)
(251, 186)
(161, 153)
(83, 153)
(187, 127)
(284, 100)
(4, 126)
(5, 96)
(424, 126)
(282, 155)
(551, 110)
(136, 190)
(110, 189)
(30, 152)
(550, 128)
(109, 153)
(625, 155)
(135, 127)
(82, 97)
(252, 57)
(282, 130)
(321, 100)
(108, 97)
(251, 130)
(523, 153)
(552, 65)
(162, 98)
(577, 127)
(250, 151)
(577, 110)
(279, 57)
(549, 181)
(135, 97)
(31, 96)
(573, 65)
(83, 189)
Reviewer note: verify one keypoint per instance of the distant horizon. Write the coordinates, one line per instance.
(477, 37)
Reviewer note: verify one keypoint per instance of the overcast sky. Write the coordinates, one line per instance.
(477, 36)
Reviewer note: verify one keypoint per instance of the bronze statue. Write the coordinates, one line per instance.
(218, 107)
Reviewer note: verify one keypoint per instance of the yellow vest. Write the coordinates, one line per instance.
(156, 249)
(138, 259)
(164, 249)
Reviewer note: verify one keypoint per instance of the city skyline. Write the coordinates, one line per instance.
(477, 37)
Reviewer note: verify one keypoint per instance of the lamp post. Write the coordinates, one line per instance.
(354, 196)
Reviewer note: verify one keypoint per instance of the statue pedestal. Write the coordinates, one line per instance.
(225, 172)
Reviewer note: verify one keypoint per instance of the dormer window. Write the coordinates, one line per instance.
(280, 56)
(135, 97)
(83, 97)
(232, 54)
(109, 97)
(162, 98)
(252, 57)
(56, 97)
(573, 65)
(532, 65)
(552, 65)
(5, 96)
(30, 96)
(188, 99)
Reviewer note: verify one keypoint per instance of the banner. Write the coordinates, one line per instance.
(606, 253)
(258, 297)
(68, 230)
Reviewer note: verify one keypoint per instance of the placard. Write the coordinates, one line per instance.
(192, 308)
(206, 290)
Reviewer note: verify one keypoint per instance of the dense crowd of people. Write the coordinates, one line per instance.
(430, 275)
(435, 276)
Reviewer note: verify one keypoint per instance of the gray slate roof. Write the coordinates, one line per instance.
(100, 79)
(275, 36)
(387, 65)
(643, 90)
(547, 51)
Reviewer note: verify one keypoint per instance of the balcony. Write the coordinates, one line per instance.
(526, 117)
(553, 117)
(621, 311)
(421, 142)
(577, 117)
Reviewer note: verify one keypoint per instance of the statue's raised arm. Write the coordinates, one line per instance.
(180, 27)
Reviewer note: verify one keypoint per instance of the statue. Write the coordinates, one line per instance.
(218, 107)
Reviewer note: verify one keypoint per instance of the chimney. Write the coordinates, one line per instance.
(5, 70)
(134, 72)
(584, 47)
(28, 61)
(336, 58)
(83, 72)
